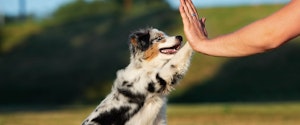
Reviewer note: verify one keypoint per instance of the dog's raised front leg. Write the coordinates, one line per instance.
(175, 68)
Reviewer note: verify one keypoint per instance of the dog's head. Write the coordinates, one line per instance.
(151, 44)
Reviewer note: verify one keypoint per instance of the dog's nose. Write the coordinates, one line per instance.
(179, 38)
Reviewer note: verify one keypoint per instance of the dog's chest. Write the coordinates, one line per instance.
(135, 80)
(137, 88)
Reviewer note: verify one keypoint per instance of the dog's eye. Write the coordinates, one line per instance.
(159, 38)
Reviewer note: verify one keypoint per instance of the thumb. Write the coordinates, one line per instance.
(202, 22)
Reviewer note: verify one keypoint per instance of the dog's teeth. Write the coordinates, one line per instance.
(169, 51)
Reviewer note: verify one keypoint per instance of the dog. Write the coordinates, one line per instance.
(138, 95)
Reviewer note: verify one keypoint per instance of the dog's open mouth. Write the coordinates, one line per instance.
(171, 50)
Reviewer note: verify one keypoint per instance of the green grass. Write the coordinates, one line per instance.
(235, 114)
(202, 114)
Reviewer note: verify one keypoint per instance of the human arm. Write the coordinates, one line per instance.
(259, 36)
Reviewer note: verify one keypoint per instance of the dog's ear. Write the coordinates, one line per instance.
(140, 39)
(133, 39)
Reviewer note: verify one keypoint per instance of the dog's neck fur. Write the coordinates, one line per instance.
(136, 62)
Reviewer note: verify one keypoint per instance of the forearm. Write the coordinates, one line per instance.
(248, 40)
(260, 36)
(225, 46)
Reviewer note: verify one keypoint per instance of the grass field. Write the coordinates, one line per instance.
(203, 114)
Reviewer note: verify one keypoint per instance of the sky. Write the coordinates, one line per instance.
(39, 8)
(42, 8)
(216, 3)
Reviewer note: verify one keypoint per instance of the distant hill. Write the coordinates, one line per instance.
(73, 57)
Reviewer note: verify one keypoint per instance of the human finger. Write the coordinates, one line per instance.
(203, 20)
(184, 17)
(193, 8)
(185, 10)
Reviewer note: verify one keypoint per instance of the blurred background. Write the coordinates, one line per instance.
(66, 53)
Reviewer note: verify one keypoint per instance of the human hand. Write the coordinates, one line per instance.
(194, 28)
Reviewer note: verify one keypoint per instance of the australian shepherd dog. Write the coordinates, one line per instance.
(138, 95)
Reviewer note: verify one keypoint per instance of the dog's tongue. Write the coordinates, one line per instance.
(169, 51)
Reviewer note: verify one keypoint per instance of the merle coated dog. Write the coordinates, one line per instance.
(138, 95)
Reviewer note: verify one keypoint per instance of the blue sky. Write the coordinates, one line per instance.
(42, 8)
(214, 3)
(36, 7)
